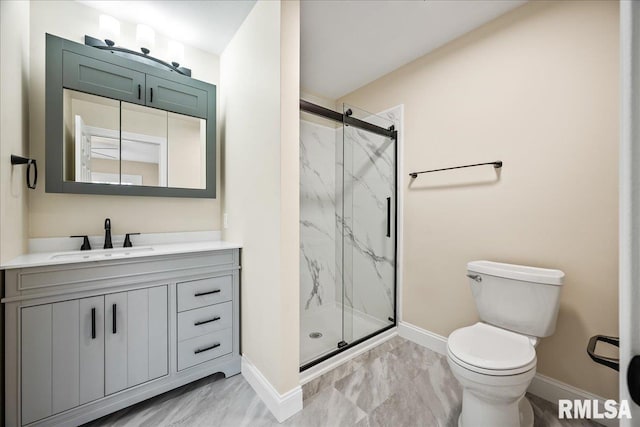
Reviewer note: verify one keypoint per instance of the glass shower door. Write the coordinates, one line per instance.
(367, 224)
(347, 229)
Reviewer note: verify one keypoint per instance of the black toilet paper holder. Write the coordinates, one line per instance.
(19, 160)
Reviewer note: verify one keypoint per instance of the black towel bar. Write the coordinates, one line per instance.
(497, 165)
(19, 160)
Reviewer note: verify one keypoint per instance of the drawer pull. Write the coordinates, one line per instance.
(202, 322)
(199, 294)
(201, 350)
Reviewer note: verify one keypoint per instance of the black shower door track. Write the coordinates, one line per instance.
(392, 133)
(319, 110)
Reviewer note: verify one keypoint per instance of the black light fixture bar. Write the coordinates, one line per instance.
(347, 119)
(138, 56)
(497, 165)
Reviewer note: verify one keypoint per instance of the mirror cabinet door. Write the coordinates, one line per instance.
(187, 151)
(91, 138)
(115, 142)
(144, 146)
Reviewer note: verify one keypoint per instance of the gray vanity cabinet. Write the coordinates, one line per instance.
(102, 78)
(85, 339)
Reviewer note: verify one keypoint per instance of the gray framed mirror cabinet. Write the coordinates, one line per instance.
(119, 126)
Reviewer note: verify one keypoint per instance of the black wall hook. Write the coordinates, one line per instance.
(18, 160)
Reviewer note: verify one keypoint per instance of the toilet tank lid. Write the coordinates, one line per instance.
(517, 272)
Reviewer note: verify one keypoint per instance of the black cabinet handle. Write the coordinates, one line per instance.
(201, 350)
(603, 360)
(199, 294)
(93, 323)
(388, 216)
(206, 321)
(114, 327)
(139, 91)
(151, 94)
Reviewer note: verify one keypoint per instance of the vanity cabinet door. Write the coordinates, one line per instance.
(115, 342)
(36, 337)
(102, 78)
(176, 97)
(66, 355)
(138, 350)
(62, 356)
(91, 348)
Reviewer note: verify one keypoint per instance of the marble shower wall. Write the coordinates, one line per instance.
(317, 217)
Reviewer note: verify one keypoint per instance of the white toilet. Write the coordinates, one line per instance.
(495, 359)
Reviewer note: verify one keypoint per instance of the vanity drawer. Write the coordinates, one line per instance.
(205, 320)
(203, 292)
(203, 348)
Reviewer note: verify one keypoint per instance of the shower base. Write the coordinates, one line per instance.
(328, 322)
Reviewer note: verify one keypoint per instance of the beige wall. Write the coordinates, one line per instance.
(260, 116)
(290, 191)
(62, 215)
(14, 130)
(538, 89)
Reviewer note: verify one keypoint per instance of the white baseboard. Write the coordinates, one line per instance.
(541, 386)
(554, 390)
(425, 338)
(282, 406)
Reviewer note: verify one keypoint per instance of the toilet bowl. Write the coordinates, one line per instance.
(495, 359)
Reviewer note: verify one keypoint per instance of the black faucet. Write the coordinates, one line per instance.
(107, 234)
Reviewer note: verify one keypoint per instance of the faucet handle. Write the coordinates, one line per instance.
(127, 240)
(86, 246)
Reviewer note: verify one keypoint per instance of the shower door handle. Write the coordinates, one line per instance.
(388, 216)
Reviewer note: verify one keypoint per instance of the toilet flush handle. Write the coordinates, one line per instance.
(475, 277)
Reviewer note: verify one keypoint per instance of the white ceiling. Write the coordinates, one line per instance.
(208, 25)
(344, 44)
(347, 44)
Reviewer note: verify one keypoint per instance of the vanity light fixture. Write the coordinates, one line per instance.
(143, 57)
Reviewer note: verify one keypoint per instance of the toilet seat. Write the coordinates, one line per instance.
(489, 350)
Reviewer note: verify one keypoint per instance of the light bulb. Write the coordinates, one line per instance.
(109, 29)
(176, 52)
(145, 37)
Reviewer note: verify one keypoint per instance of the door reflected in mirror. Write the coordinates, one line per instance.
(114, 142)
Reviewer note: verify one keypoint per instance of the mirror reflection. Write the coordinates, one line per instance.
(119, 143)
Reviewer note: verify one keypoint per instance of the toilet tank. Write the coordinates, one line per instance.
(515, 297)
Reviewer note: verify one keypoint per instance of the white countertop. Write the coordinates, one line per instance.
(96, 255)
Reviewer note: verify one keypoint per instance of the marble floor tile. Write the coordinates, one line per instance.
(373, 383)
(327, 408)
(402, 409)
(396, 384)
(327, 380)
(211, 401)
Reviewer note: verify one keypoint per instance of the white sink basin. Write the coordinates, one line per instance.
(100, 254)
